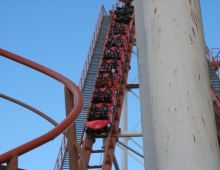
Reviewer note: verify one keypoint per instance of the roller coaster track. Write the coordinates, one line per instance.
(86, 141)
(112, 138)
(214, 65)
(11, 157)
(86, 84)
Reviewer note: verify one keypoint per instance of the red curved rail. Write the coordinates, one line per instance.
(30, 108)
(74, 113)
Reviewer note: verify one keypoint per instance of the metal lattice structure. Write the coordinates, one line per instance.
(80, 144)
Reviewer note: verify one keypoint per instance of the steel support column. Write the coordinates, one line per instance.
(130, 134)
(178, 123)
(71, 132)
(13, 163)
(124, 120)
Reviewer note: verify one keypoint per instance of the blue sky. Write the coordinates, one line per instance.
(56, 35)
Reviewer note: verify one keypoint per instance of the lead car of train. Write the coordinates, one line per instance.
(103, 100)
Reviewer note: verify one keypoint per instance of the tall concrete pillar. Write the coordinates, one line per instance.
(178, 123)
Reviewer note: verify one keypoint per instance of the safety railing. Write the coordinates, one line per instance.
(61, 153)
(91, 48)
(214, 62)
(216, 53)
(60, 156)
(214, 59)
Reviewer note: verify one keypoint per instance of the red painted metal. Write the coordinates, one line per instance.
(215, 96)
(113, 135)
(214, 61)
(132, 86)
(71, 132)
(30, 108)
(62, 150)
(215, 64)
(216, 104)
(119, 86)
(13, 163)
(59, 128)
(97, 124)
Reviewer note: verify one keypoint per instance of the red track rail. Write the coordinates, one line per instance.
(111, 139)
(30, 108)
(74, 113)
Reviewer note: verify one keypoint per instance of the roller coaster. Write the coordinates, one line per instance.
(102, 85)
